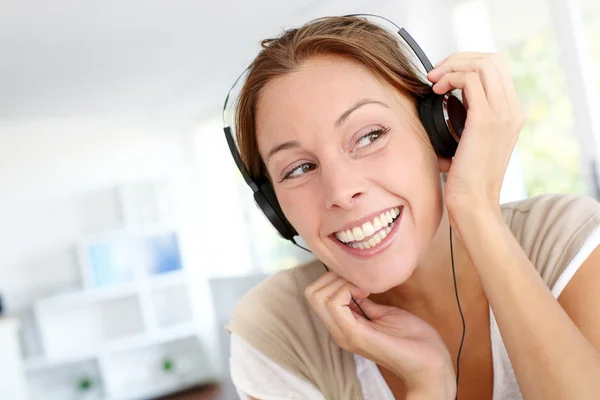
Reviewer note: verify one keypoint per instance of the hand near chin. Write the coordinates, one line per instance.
(393, 338)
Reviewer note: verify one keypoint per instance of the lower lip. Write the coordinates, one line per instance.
(381, 247)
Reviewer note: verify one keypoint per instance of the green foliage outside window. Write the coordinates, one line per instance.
(549, 151)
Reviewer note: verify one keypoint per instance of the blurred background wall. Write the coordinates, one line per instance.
(112, 158)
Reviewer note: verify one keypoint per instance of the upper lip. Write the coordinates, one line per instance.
(368, 218)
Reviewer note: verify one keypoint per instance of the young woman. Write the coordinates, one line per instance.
(328, 114)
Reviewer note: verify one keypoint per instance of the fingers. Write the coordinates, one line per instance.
(471, 86)
(319, 294)
(488, 74)
(331, 298)
(509, 87)
(493, 74)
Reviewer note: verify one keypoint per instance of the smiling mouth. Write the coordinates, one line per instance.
(371, 233)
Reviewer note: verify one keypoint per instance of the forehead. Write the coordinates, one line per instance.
(314, 96)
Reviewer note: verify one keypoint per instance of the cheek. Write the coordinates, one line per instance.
(299, 208)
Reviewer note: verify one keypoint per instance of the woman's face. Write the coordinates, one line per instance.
(347, 155)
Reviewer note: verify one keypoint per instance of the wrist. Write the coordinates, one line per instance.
(434, 388)
(471, 204)
(470, 216)
(431, 394)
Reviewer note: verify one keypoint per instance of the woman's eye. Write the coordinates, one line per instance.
(299, 171)
(370, 137)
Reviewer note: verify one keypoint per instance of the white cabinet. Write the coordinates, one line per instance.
(131, 331)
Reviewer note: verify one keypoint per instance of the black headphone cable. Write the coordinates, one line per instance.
(462, 317)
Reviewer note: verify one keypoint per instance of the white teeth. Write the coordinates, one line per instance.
(349, 235)
(377, 223)
(389, 217)
(383, 220)
(368, 229)
(358, 233)
(377, 230)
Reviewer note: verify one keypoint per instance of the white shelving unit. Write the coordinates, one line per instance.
(129, 332)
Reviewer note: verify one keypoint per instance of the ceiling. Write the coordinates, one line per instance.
(162, 63)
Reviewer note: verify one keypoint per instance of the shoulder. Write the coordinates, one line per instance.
(554, 205)
(282, 288)
(552, 228)
(276, 305)
(559, 213)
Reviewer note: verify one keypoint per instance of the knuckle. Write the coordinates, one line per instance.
(314, 297)
(472, 77)
(308, 292)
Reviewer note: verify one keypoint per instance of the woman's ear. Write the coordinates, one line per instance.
(444, 163)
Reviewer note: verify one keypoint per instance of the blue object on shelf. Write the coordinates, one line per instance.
(164, 253)
(116, 261)
(112, 263)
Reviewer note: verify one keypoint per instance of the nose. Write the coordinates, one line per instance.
(342, 187)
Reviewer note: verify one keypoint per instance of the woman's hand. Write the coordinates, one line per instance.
(393, 338)
(494, 121)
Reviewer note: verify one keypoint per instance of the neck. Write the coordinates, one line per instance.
(429, 292)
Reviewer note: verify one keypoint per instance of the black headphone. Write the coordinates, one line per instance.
(442, 116)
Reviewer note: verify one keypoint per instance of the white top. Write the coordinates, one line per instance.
(254, 374)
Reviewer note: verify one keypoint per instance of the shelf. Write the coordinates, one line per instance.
(140, 373)
(148, 339)
(35, 364)
(61, 382)
(83, 298)
(168, 279)
(69, 330)
(131, 342)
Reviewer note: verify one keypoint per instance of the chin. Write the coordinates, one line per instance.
(378, 280)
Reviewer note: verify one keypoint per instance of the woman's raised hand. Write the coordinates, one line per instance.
(494, 121)
(393, 338)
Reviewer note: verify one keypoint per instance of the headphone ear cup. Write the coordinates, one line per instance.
(267, 202)
(443, 117)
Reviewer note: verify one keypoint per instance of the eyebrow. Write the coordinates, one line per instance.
(355, 107)
(292, 144)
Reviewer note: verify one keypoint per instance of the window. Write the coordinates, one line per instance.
(550, 154)
(591, 23)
